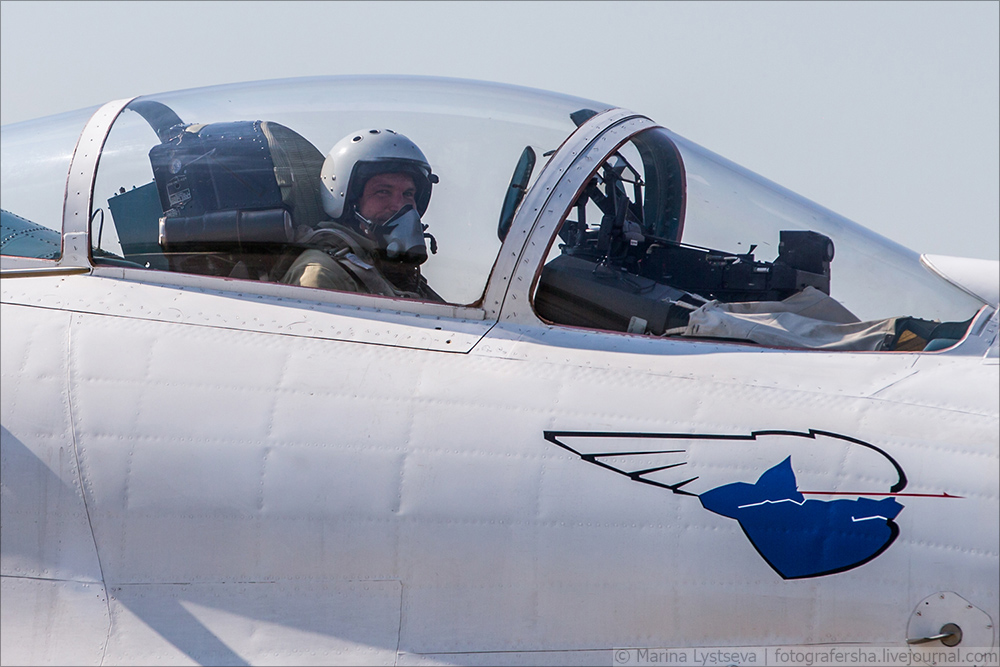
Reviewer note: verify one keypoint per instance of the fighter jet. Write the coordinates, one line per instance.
(387, 370)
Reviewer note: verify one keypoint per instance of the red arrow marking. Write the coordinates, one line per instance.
(852, 493)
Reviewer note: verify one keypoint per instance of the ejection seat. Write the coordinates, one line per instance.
(226, 197)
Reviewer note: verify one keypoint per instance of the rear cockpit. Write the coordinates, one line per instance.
(227, 184)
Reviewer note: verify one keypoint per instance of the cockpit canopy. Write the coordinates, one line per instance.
(220, 182)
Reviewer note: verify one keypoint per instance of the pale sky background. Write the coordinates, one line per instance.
(885, 112)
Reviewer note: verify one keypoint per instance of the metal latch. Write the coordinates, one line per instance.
(950, 635)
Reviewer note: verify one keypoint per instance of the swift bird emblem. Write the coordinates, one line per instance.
(800, 534)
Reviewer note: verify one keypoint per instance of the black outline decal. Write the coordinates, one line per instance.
(554, 437)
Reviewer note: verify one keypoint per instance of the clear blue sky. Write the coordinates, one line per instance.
(888, 113)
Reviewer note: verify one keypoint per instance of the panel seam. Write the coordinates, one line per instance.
(79, 472)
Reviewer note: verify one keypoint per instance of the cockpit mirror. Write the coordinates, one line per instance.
(581, 116)
(515, 191)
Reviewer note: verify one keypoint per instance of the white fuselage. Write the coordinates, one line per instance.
(224, 468)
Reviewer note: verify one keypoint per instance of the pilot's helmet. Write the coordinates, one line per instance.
(363, 154)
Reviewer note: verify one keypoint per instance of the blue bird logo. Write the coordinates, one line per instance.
(798, 536)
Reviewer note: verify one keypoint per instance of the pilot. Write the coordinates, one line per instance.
(376, 185)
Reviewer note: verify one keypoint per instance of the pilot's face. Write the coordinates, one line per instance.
(385, 194)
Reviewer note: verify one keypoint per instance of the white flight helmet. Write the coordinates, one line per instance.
(363, 154)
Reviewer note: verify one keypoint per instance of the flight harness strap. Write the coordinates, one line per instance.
(348, 253)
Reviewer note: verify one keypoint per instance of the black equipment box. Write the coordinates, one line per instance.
(221, 166)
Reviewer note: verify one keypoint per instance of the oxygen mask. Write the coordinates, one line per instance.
(401, 237)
